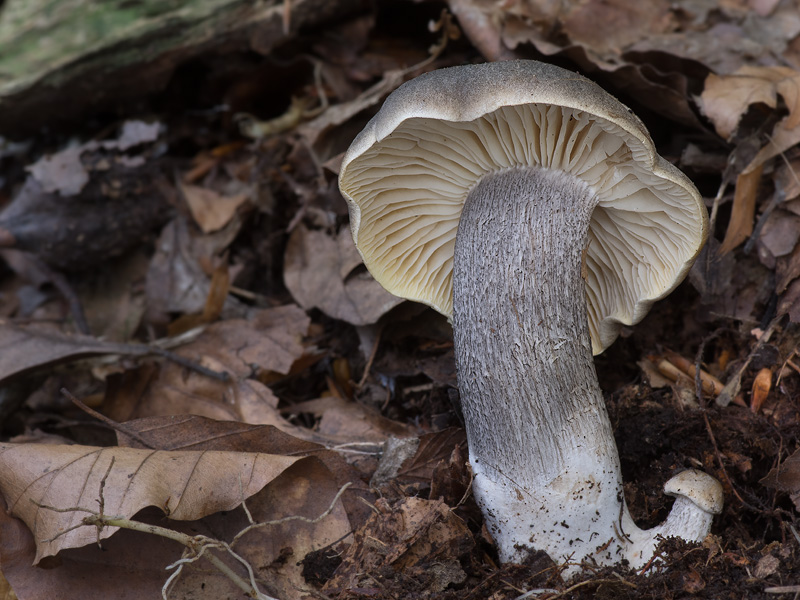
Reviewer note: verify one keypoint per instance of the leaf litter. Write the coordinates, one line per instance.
(198, 292)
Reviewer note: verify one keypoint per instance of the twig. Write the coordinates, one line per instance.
(572, 588)
(197, 546)
(66, 290)
(299, 110)
(794, 533)
(110, 422)
(102, 500)
(657, 556)
(157, 348)
(291, 518)
(722, 465)
(536, 592)
(348, 447)
(370, 360)
(733, 385)
(339, 113)
(191, 364)
(778, 197)
(712, 219)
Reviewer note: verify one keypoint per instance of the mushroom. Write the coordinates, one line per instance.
(518, 199)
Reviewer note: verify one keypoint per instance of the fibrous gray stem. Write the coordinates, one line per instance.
(547, 472)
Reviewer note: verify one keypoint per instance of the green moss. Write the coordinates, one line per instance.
(37, 37)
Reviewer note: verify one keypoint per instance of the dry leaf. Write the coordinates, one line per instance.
(211, 210)
(26, 348)
(319, 272)
(176, 281)
(132, 566)
(433, 449)
(766, 566)
(786, 478)
(761, 387)
(740, 225)
(129, 566)
(692, 582)
(612, 25)
(779, 235)
(727, 97)
(268, 342)
(780, 141)
(62, 172)
(185, 485)
(190, 432)
(346, 421)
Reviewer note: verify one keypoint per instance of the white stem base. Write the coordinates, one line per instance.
(555, 519)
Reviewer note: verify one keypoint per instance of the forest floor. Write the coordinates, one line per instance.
(190, 345)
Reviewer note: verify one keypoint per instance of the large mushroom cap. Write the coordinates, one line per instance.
(407, 174)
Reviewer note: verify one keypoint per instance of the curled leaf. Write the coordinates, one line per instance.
(41, 483)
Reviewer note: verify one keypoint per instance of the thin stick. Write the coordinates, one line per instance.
(190, 364)
(110, 422)
(291, 518)
(370, 360)
(721, 464)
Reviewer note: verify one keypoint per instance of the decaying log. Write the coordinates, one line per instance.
(62, 59)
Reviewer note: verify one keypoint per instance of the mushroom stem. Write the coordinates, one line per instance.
(547, 472)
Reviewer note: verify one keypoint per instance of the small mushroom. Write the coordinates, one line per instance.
(518, 199)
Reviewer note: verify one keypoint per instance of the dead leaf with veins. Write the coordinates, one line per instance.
(210, 209)
(727, 97)
(321, 271)
(42, 483)
(244, 349)
(305, 489)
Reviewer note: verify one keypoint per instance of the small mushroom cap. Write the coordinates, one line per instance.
(701, 488)
(407, 175)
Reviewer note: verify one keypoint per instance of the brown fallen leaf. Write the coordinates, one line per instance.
(6, 593)
(778, 236)
(451, 480)
(210, 209)
(192, 432)
(786, 478)
(762, 384)
(345, 421)
(609, 26)
(132, 566)
(320, 272)
(268, 342)
(434, 448)
(39, 482)
(176, 281)
(692, 582)
(391, 79)
(26, 348)
(726, 98)
(219, 287)
(91, 572)
(114, 303)
(782, 139)
(740, 225)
